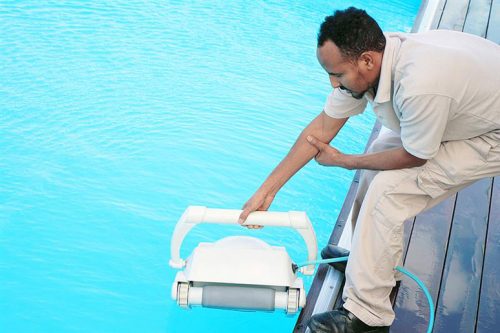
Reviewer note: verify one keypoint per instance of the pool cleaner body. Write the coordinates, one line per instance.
(240, 272)
(246, 273)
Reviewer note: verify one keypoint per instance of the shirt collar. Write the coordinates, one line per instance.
(391, 51)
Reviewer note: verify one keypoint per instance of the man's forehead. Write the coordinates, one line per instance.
(329, 54)
(329, 46)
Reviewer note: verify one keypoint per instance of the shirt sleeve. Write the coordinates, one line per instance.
(423, 122)
(340, 105)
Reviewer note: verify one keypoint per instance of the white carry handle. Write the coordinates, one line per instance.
(199, 214)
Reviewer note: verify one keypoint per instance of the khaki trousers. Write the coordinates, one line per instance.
(386, 199)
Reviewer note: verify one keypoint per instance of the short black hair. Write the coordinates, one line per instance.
(353, 31)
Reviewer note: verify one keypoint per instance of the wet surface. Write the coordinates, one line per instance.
(459, 295)
(454, 249)
(488, 317)
(425, 258)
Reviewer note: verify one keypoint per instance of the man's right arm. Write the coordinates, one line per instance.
(323, 127)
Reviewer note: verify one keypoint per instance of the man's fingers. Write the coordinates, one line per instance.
(253, 226)
(243, 216)
(315, 142)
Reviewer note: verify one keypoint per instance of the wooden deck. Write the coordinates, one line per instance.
(454, 248)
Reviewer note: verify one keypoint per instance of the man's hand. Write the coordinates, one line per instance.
(327, 155)
(259, 201)
(323, 127)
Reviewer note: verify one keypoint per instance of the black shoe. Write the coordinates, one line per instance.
(341, 321)
(334, 251)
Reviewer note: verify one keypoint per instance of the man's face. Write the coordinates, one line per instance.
(347, 75)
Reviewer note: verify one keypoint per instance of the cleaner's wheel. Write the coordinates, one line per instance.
(293, 301)
(183, 294)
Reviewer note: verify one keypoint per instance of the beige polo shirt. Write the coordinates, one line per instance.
(434, 86)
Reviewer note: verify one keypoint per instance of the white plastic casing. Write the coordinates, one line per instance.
(197, 214)
(240, 260)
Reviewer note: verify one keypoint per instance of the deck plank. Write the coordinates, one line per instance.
(456, 309)
(439, 13)
(454, 14)
(425, 258)
(488, 318)
(493, 31)
(476, 21)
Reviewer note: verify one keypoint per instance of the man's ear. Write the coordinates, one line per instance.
(367, 60)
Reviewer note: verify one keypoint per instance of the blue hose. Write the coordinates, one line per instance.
(398, 268)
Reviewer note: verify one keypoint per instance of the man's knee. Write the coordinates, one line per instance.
(393, 195)
(384, 181)
(385, 141)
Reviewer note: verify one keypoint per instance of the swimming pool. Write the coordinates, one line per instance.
(117, 117)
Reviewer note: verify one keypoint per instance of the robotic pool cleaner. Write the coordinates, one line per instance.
(246, 273)
(240, 272)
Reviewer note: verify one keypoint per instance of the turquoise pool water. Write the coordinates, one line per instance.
(115, 117)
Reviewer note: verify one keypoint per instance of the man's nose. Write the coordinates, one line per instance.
(334, 82)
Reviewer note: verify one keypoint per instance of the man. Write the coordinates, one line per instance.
(438, 93)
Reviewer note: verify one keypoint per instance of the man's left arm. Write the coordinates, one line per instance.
(397, 158)
(423, 122)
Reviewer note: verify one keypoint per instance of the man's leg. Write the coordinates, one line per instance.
(393, 197)
(385, 141)
(376, 249)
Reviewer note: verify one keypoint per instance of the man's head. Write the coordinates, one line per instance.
(350, 49)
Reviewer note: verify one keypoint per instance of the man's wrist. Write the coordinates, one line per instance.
(269, 189)
(347, 161)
